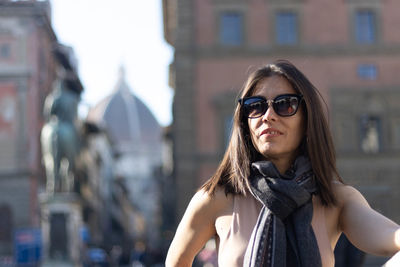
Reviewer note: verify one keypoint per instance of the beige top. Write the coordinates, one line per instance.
(234, 232)
(233, 240)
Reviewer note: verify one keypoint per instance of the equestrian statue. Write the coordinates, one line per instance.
(59, 138)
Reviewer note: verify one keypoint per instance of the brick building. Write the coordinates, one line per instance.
(27, 66)
(349, 49)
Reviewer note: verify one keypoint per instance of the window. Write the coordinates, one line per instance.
(370, 134)
(396, 130)
(365, 27)
(231, 29)
(367, 71)
(5, 51)
(286, 28)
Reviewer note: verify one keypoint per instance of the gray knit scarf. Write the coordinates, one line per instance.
(283, 236)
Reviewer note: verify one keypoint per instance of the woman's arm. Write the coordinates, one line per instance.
(367, 229)
(196, 228)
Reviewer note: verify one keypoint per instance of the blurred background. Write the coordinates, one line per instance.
(113, 113)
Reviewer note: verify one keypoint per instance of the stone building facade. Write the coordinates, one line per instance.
(350, 50)
(27, 66)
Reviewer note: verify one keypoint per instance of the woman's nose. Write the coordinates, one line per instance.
(270, 114)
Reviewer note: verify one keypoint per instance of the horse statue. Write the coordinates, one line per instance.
(59, 138)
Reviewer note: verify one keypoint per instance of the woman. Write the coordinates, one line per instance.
(277, 199)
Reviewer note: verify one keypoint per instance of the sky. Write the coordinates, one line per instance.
(108, 34)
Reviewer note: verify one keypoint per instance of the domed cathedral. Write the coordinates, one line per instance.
(136, 138)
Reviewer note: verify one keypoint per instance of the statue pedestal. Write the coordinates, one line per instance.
(61, 223)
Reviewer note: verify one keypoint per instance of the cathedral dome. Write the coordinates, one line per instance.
(130, 124)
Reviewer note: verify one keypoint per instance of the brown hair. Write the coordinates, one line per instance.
(233, 171)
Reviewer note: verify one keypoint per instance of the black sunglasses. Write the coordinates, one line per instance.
(284, 105)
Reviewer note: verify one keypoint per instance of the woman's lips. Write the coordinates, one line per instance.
(271, 132)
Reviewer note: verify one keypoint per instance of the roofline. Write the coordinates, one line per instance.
(38, 10)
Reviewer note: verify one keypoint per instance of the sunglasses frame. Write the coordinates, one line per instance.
(270, 102)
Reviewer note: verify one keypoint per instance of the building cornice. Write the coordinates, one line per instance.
(15, 173)
(39, 11)
(14, 71)
(169, 20)
(303, 50)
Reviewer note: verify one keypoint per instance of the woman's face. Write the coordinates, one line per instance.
(275, 137)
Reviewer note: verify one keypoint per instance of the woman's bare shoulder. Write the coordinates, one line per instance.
(347, 194)
(367, 229)
(214, 202)
(196, 227)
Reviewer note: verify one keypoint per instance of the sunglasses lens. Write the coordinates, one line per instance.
(283, 105)
(286, 105)
(255, 107)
